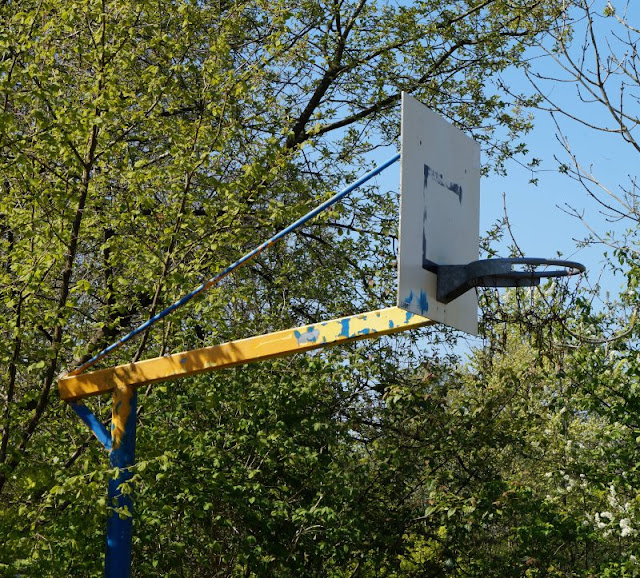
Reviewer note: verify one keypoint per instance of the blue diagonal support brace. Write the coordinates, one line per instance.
(95, 425)
(250, 255)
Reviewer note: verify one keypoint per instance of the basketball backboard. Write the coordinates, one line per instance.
(439, 213)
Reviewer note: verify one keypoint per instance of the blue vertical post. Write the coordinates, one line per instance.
(120, 520)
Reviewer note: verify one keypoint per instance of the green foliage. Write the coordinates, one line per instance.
(145, 146)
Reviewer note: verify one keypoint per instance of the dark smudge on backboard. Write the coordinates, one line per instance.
(455, 188)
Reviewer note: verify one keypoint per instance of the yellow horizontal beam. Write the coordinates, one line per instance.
(278, 344)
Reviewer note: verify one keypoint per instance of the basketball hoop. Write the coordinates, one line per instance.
(440, 226)
(454, 280)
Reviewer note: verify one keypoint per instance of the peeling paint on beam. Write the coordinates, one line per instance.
(281, 343)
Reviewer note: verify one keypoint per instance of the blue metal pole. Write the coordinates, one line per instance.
(214, 280)
(122, 456)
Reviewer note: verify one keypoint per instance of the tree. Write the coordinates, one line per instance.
(580, 427)
(593, 54)
(143, 147)
(546, 483)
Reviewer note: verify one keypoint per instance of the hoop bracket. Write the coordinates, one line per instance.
(454, 280)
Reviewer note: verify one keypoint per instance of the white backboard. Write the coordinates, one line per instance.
(439, 213)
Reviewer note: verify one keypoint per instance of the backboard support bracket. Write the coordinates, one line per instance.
(455, 280)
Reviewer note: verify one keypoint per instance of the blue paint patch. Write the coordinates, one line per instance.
(365, 331)
(424, 302)
(391, 325)
(183, 360)
(407, 301)
(345, 327)
(311, 336)
(408, 317)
